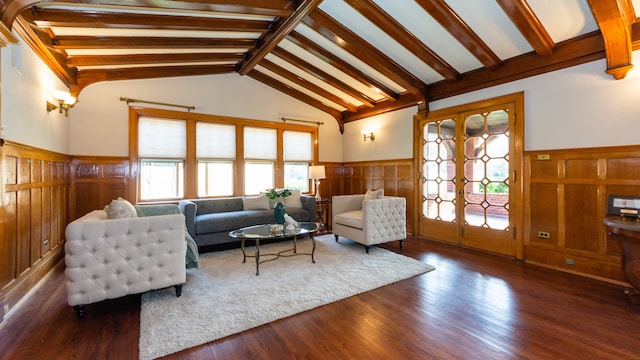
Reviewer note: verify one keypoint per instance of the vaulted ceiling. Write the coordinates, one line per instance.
(349, 58)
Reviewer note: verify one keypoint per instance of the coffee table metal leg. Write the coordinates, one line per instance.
(244, 254)
(313, 249)
(257, 257)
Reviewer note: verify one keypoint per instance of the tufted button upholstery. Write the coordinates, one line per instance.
(106, 259)
(369, 222)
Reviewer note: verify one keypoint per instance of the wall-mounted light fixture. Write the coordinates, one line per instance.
(368, 134)
(316, 173)
(65, 102)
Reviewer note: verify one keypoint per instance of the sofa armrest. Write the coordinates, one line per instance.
(189, 209)
(386, 217)
(343, 203)
(309, 204)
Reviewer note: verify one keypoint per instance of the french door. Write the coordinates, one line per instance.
(468, 173)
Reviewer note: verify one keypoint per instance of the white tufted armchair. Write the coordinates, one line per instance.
(369, 222)
(107, 259)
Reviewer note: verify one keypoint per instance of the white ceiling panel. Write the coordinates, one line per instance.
(368, 31)
(429, 31)
(564, 19)
(493, 26)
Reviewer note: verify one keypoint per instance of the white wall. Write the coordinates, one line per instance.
(393, 137)
(571, 108)
(26, 86)
(577, 107)
(100, 121)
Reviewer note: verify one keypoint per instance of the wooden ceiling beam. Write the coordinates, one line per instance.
(270, 40)
(277, 69)
(273, 8)
(615, 18)
(335, 61)
(403, 101)
(309, 100)
(572, 52)
(399, 33)
(40, 43)
(126, 42)
(88, 77)
(358, 47)
(529, 25)
(64, 18)
(114, 60)
(323, 76)
(449, 20)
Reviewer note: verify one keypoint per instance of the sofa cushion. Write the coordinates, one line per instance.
(255, 202)
(374, 194)
(352, 219)
(120, 209)
(293, 200)
(232, 220)
(208, 206)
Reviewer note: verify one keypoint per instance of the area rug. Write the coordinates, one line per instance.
(224, 296)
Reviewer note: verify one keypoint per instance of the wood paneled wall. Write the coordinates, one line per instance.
(567, 196)
(34, 215)
(95, 181)
(395, 176)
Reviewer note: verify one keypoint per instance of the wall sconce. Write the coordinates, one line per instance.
(368, 134)
(65, 102)
(316, 173)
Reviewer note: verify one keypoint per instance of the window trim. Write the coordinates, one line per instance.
(191, 162)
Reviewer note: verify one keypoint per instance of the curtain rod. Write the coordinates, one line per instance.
(284, 119)
(129, 100)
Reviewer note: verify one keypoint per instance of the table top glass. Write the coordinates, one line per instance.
(271, 231)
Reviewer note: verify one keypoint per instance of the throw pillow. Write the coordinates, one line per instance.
(374, 194)
(120, 209)
(255, 202)
(293, 200)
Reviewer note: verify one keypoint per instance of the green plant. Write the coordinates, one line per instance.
(495, 188)
(273, 194)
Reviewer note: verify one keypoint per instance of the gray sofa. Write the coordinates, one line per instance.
(209, 221)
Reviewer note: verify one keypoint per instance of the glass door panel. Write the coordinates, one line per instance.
(486, 178)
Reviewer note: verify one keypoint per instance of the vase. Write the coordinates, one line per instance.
(279, 210)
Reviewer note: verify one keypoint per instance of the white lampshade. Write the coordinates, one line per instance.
(316, 172)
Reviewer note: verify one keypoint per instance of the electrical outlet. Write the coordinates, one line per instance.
(543, 235)
(45, 243)
(569, 261)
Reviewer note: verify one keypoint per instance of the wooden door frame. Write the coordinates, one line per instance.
(516, 187)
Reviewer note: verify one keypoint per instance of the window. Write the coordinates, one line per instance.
(162, 152)
(179, 155)
(298, 154)
(260, 153)
(216, 154)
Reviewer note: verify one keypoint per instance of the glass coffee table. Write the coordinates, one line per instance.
(272, 232)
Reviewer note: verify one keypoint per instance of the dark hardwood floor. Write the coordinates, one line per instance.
(473, 306)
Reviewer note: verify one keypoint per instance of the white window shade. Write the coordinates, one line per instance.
(215, 141)
(162, 138)
(298, 146)
(260, 144)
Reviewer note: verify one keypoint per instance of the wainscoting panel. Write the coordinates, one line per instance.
(34, 216)
(567, 191)
(97, 181)
(395, 176)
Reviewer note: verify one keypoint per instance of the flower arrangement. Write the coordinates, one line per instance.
(274, 194)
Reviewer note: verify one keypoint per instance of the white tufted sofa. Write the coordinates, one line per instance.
(110, 258)
(369, 222)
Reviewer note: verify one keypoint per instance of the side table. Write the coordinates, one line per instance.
(322, 212)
